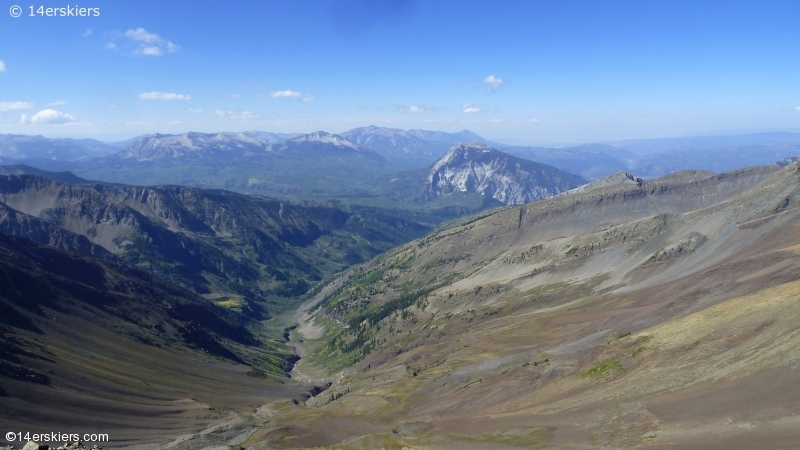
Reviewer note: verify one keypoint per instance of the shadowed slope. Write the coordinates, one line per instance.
(102, 347)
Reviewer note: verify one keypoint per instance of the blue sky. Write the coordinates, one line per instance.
(520, 72)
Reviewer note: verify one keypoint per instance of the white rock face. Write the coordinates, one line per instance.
(510, 180)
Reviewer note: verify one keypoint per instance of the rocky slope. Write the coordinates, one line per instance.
(651, 314)
(510, 180)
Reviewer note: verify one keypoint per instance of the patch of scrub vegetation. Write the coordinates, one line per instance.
(603, 369)
(231, 303)
(514, 437)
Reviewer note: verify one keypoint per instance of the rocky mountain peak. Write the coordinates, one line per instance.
(479, 168)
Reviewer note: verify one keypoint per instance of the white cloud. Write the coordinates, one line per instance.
(419, 109)
(49, 117)
(133, 123)
(229, 96)
(495, 120)
(163, 96)
(533, 120)
(292, 95)
(797, 109)
(13, 106)
(87, 33)
(492, 83)
(58, 103)
(193, 111)
(150, 51)
(139, 41)
(174, 122)
(469, 109)
(140, 34)
(2, 66)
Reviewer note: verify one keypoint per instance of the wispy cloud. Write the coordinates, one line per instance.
(635, 120)
(174, 122)
(49, 117)
(492, 83)
(58, 103)
(87, 33)
(237, 115)
(2, 66)
(139, 41)
(14, 106)
(163, 96)
(230, 96)
(419, 109)
(533, 120)
(291, 95)
(193, 111)
(796, 109)
(133, 123)
(496, 121)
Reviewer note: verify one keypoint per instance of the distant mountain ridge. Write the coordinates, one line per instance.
(321, 145)
(478, 168)
(16, 146)
(395, 143)
(194, 146)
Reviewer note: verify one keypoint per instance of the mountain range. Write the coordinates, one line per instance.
(360, 163)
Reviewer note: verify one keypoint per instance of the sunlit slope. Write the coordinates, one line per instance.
(659, 314)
